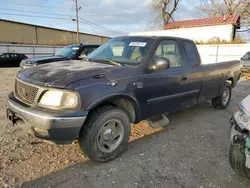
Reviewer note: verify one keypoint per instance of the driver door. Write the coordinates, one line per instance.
(166, 90)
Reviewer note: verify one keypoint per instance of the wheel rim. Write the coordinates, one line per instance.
(225, 96)
(110, 136)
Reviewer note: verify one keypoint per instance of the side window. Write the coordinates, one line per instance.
(169, 49)
(192, 55)
(5, 56)
(247, 56)
(87, 51)
(13, 55)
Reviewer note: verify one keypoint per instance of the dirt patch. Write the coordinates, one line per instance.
(24, 157)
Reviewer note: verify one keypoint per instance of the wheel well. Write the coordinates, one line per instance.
(124, 104)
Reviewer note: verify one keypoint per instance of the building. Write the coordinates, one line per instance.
(204, 29)
(17, 32)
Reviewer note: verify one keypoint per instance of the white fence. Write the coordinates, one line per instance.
(29, 50)
(209, 53)
(224, 52)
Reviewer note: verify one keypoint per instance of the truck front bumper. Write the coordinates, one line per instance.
(61, 128)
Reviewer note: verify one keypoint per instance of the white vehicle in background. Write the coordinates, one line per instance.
(239, 152)
(245, 62)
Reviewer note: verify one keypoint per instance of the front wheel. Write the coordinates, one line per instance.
(105, 134)
(237, 160)
(223, 100)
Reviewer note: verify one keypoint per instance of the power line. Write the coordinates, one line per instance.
(38, 6)
(67, 15)
(100, 27)
(37, 12)
(121, 14)
(60, 18)
(110, 31)
(25, 15)
(32, 5)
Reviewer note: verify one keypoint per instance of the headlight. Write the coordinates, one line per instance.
(59, 99)
(243, 117)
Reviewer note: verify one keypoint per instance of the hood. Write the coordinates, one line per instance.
(44, 59)
(61, 74)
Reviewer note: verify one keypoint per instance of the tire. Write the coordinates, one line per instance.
(96, 137)
(222, 102)
(237, 161)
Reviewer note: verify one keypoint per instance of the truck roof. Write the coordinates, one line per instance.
(157, 37)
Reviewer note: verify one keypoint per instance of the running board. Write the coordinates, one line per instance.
(158, 121)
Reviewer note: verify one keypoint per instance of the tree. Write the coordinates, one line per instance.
(166, 7)
(224, 7)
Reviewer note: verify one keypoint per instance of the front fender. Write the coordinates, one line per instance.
(114, 96)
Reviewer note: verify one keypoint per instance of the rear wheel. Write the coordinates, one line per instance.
(223, 100)
(105, 134)
(237, 160)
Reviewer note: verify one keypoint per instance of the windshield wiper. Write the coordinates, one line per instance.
(108, 61)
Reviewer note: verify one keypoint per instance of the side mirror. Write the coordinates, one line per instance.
(241, 58)
(159, 64)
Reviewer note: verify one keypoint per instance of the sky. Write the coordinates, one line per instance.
(119, 16)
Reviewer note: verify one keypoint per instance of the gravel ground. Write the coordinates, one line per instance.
(191, 152)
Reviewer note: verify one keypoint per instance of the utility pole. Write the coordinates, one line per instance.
(77, 23)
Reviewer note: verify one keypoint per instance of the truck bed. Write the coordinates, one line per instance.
(214, 75)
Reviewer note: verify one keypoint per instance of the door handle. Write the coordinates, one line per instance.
(184, 77)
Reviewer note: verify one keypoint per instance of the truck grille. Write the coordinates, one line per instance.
(26, 92)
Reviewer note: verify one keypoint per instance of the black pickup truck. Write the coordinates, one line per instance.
(71, 52)
(126, 80)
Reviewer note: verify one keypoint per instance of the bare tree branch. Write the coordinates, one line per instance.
(167, 8)
(221, 8)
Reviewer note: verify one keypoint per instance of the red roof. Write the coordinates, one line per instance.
(220, 20)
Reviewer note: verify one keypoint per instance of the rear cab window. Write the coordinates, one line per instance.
(192, 53)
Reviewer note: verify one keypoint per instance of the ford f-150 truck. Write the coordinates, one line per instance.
(71, 52)
(126, 80)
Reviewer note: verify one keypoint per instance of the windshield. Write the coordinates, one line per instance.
(246, 56)
(127, 51)
(68, 51)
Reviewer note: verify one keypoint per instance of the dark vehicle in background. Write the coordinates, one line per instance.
(239, 152)
(245, 62)
(71, 52)
(11, 59)
(126, 80)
